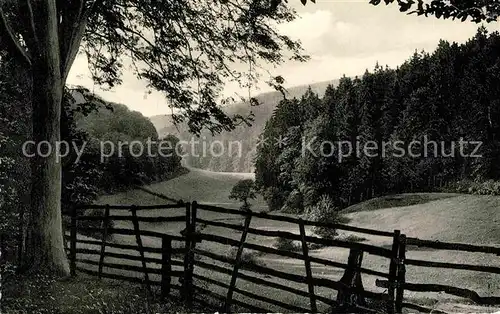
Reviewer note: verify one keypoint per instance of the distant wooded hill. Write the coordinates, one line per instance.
(231, 160)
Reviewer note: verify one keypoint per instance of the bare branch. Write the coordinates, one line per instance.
(11, 38)
(31, 20)
(78, 30)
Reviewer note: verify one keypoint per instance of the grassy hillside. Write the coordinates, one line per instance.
(444, 217)
(399, 200)
(246, 135)
(197, 185)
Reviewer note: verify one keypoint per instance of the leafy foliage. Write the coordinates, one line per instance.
(243, 191)
(14, 166)
(286, 244)
(325, 211)
(247, 257)
(488, 187)
(175, 44)
(477, 10)
(43, 294)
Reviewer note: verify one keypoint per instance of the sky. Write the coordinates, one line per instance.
(341, 37)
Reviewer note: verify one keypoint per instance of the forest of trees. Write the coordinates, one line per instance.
(444, 96)
(244, 135)
(115, 123)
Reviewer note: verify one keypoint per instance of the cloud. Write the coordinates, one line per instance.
(309, 26)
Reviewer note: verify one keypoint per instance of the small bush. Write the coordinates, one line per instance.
(293, 203)
(247, 257)
(285, 244)
(488, 187)
(315, 246)
(274, 198)
(353, 238)
(325, 211)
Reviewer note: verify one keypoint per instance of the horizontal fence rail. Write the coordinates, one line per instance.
(296, 220)
(292, 236)
(128, 218)
(132, 232)
(459, 292)
(130, 207)
(453, 246)
(477, 268)
(441, 288)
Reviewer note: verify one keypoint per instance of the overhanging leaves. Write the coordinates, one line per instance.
(476, 10)
(188, 49)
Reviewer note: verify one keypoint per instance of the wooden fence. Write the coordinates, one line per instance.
(348, 287)
(164, 253)
(454, 291)
(351, 296)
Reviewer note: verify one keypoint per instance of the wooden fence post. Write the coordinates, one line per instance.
(166, 265)
(234, 275)
(192, 243)
(138, 239)
(185, 281)
(307, 261)
(393, 269)
(401, 275)
(349, 299)
(104, 236)
(72, 243)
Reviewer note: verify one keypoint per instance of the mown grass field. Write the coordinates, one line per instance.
(444, 217)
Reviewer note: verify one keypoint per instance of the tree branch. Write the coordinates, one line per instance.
(31, 20)
(13, 42)
(79, 25)
(71, 12)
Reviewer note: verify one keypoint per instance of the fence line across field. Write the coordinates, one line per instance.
(349, 287)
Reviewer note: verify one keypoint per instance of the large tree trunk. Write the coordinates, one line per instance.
(44, 244)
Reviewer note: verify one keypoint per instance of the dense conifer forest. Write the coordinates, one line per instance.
(422, 124)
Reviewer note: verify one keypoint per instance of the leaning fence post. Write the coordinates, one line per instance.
(393, 269)
(352, 296)
(72, 243)
(138, 239)
(166, 265)
(187, 253)
(307, 261)
(104, 236)
(237, 263)
(401, 275)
